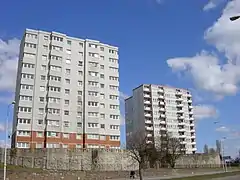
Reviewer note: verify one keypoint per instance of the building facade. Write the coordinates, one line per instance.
(156, 109)
(66, 94)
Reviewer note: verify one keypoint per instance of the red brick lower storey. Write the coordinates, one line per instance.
(73, 140)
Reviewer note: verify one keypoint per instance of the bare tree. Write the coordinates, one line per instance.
(169, 149)
(139, 145)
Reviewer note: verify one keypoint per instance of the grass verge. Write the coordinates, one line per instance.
(209, 176)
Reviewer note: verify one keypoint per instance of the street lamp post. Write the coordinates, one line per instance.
(6, 140)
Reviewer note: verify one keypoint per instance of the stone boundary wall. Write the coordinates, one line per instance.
(94, 160)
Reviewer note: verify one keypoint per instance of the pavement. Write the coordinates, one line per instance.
(188, 175)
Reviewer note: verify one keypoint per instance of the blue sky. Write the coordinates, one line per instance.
(187, 44)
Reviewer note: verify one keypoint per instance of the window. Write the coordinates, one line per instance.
(57, 58)
(66, 113)
(112, 87)
(66, 123)
(29, 35)
(27, 76)
(25, 109)
(112, 60)
(43, 67)
(40, 122)
(26, 98)
(114, 116)
(23, 145)
(113, 97)
(102, 116)
(92, 73)
(54, 89)
(80, 73)
(115, 138)
(68, 61)
(93, 54)
(57, 48)
(43, 77)
(29, 55)
(39, 134)
(78, 136)
(92, 45)
(55, 68)
(79, 83)
(79, 124)
(68, 71)
(44, 57)
(55, 78)
(67, 91)
(102, 76)
(52, 134)
(112, 51)
(45, 47)
(24, 121)
(69, 42)
(66, 102)
(93, 104)
(102, 58)
(114, 106)
(102, 66)
(101, 48)
(23, 133)
(67, 81)
(79, 103)
(93, 64)
(113, 78)
(92, 93)
(114, 127)
(102, 96)
(54, 100)
(66, 135)
(81, 44)
(30, 45)
(102, 105)
(93, 114)
(102, 126)
(93, 83)
(28, 65)
(80, 93)
(40, 111)
(53, 122)
(93, 125)
(80, 63)
(45, 38)
(102, 85)
(53, 111)
(113, 69)
(79, 114)
(41, 99)
(93, 136)
(56, 38)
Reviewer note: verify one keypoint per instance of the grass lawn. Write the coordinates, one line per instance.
(210, 176)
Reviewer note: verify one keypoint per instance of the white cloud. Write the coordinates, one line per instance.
(8, 64)
(2, 127)
(123, 96)
(223, 129)
(208, 72)
(204, 111)
(212, 4)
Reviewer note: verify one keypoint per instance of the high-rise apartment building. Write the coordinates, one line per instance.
(67, 93)
(156, 109)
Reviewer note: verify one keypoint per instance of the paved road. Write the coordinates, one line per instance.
(229, 178)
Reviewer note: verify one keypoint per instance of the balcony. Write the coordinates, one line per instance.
(160, 90)
(180, 111)
(147, 95)
(190, 107)
(183, 142)
(161, 103)
(162, 122)
(189, 95)
(179, 99)
(193, 143)
(146, 108)
(182, 130)
(193, 136)
(191, 118)
(162, 109)
(162, 115)
(149, 142)
(182, 136)
(148, 122)
(149, 128)
(179, 105)
(192, 130)
(179, 93)
(194, 149)
(163, 128)
(147, 102)
(161, 97)
(149, 135)
(189, 100)
(148, 115)
(191, 124)
(146, 89)
(180, 117)
(181, 123)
